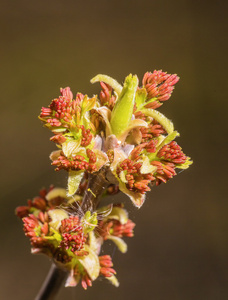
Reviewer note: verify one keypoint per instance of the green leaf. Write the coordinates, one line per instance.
(95, 243)
(89, 221)
(90, 262)
(60, 129)
(146, 166)
(122, 246)
(74, 179)
(109, 80)
(123, 109)
(56, 192)
(137, 198)
(162, 120)
(70, 148)
(87, 104)
(119, 214)
(113, 280)
(168, 139)
(57, 215)
(140, 98)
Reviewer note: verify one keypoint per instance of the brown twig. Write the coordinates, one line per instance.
(96, 185)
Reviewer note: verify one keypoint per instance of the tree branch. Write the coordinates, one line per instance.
(96, 185)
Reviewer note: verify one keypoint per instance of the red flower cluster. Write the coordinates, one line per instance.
(106, 96)
(172, 152)
(86, 136)
(115, 228)
(61, 110)
(77, 163)
(36, 228)
(72, 234)
(152, 131)
(165, 171)
(135, 181)
(106, 264)
(159, 84)
(40, 203)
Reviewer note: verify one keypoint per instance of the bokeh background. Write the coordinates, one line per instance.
(180, 247)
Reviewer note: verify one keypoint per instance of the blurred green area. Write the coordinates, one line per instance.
(180, 246)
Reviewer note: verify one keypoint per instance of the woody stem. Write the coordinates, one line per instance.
(96, 185)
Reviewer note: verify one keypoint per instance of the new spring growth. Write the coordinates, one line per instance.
(115, 141)
(120, 130)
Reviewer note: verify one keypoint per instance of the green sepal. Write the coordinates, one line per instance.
(123, 109)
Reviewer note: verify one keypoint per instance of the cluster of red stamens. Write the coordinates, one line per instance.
(153, 130)
(58, 139)
(59, 112)
(159, 84)
(115, 228)
(85, 279)
(149, 146)
(36, 228)
(136, 181)
(86, 136)
(39, 203)
(165, 171)
(72, 234)
(106, 96)
(172, 152)
(121, 230)
(77, 163)
(92, 156)
(62, 111)
(106, 266)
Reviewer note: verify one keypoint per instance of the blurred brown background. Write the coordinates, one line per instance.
(179, 251)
